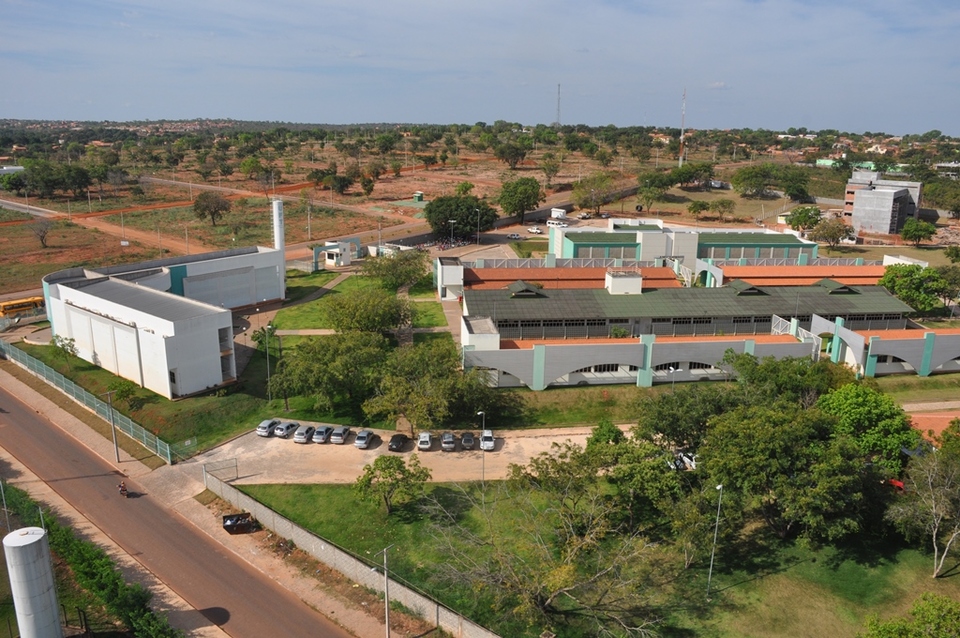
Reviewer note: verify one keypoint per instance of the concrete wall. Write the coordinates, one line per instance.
(362, 572)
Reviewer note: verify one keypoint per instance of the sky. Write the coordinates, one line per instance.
(888, 66)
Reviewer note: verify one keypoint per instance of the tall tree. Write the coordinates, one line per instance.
(368, 310)
(804, 217)
(917, 286)
(929, 509)
(830, 231)
(519, 196)
(917, 231)
(510, 153)
(211, 205)
(459, 215)
(932, 615)
(390, 478)
(594, 191)
(398, 270)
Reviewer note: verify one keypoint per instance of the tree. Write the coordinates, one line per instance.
(211, 205)
(879, 426)
(41, 228)
(752, 181)
(696, 207)
(419, 383)
(917, 231)
(338, 183)
(781, 462)
(723, 207)
(550, 166)
(333, 369)
(594, 191)
(510, 153)
(952, 253)
(65, 348)
(951, 277)
(400, 269)
(462, 214)
(561, 551)
(464, 188)
(803, 217)
(932, 615)
(929, 508)
(368, 310)
(831, 231)
(917, 286)
(391, 479)
(520, 195)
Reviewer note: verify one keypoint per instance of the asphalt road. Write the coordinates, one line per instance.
(225, 589)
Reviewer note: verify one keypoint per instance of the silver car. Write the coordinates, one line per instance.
(304, 434)
(285, 429)
(448, 442)
(322, 434)
(487, 442)
(340, 435)
(267, 427)
(364, 439)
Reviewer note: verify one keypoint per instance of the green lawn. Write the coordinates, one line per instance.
(424, 289)
(526, 248)
(301, 284)
(310, 315)
(428, 314)
(910, 388)
(760, 588)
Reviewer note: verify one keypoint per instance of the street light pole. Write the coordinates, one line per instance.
(478, 227)
(716, 527)
(452, 222)
(673, 378)
(266, 337)
(386, 589)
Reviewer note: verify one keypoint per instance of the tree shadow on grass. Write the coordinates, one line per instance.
(867, 550)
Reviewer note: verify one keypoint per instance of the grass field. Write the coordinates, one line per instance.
(760, 588)
(428, 314)
(311, 314)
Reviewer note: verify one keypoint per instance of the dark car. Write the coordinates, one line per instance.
(397, 441)
(467, 441)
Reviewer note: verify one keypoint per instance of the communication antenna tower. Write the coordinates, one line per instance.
(558, 105)
(683, 115)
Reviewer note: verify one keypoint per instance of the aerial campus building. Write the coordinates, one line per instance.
(881, 206)
(577, 321)
(166, 324)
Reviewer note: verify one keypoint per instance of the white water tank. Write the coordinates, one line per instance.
(278, 242)
(31, 582)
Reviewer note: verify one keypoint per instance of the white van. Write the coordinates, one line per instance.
(556, 223)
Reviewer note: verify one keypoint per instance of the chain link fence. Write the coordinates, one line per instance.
(102, 409)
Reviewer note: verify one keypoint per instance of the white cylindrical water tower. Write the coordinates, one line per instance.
(278, 242)
(31, 581)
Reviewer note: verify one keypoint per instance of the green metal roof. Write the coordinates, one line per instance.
(747, 239)
(684, 302)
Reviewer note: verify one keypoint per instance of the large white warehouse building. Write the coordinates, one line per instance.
(165, 324)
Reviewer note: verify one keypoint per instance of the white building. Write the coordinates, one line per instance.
(165, 324)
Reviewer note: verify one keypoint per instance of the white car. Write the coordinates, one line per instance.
(513, 236)
(535, 230)
(424, 441)
(487, 441)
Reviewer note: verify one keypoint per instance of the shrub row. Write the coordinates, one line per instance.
(95, 571)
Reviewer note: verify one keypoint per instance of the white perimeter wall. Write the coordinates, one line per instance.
(237, 281)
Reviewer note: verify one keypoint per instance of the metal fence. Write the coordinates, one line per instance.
(123, 423)
(356, 569)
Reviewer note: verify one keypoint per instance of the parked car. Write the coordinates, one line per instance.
(584, 216)
(448, 442)
(304, 434)
(397, 441)
(467, 441)
(535, 230)
(425, 441)
(364, 439)
(340, 435)
(487, 441)
(605, 215)
(514, 236)
(285, 429)
(267, 426)
(322, 434)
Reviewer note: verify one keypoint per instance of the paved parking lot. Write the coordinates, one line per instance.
(273, 460)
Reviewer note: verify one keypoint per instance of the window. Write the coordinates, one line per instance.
(743, 320)
(697, 365)
(634, 368)
(607, 367)
(678, 321)
(173, 376)
(596, 322)
(587, 369)
(702, 320)
(619, 321)
(662, 320)
(666, 366)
